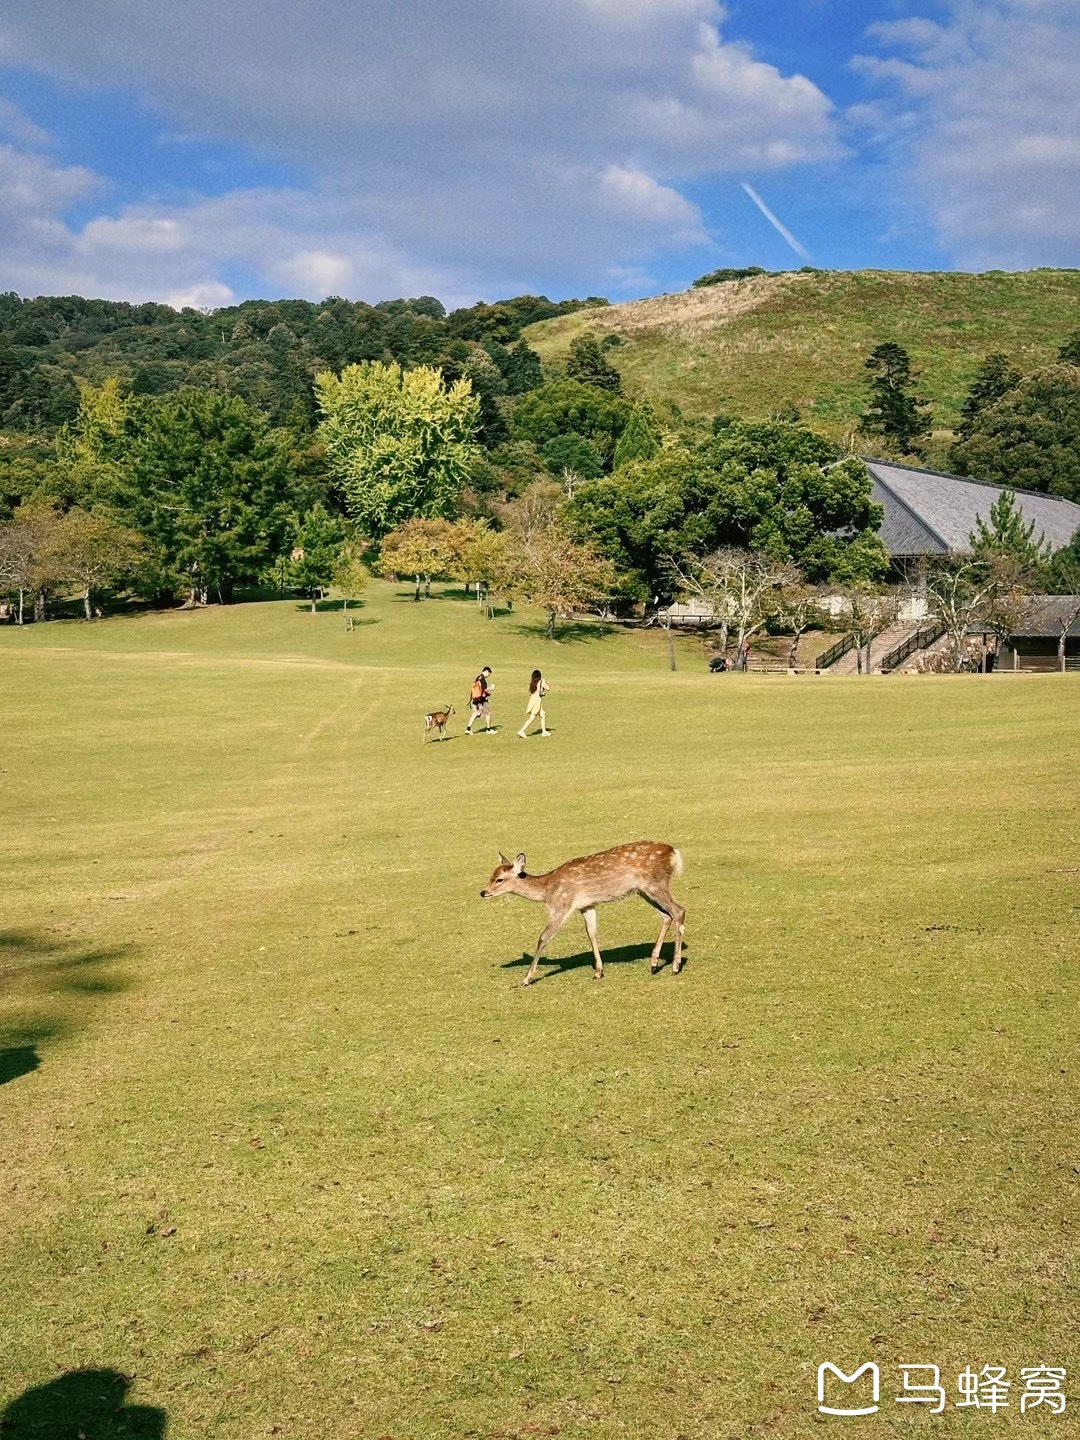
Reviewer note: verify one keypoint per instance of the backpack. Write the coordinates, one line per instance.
(479, 690)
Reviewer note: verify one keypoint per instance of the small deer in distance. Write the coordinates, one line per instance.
(645, 868)
(436, 720)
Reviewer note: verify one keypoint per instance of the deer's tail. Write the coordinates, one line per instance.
(676, 863)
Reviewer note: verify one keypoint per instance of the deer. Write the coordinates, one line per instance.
(437, 720)
(645, 868)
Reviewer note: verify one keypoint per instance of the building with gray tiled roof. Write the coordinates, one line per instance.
(928, 513)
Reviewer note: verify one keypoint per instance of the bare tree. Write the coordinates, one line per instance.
(870, 612)
(966, 592)
(800, 608)
(743, 590)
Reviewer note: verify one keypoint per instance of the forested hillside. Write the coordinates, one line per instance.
(180, 456)
(762, 345)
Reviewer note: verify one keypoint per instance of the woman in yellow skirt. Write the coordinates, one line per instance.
(538, 688)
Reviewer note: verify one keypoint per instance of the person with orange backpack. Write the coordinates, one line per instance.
(480, 700)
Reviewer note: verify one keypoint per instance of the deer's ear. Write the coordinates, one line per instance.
(503, 858)
(519, 863)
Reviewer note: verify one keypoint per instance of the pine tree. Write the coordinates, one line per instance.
(639, 440)
(1007, 535)
(895, 412)
(996, 378)
(523, 373)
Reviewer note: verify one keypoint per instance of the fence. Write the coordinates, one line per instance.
(834, 652)
(924, 636)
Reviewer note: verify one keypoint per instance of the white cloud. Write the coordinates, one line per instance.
(994, 150)
(486, 144)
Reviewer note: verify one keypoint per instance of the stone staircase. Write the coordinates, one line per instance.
(888, 640)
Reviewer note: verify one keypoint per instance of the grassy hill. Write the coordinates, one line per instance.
(752, 346)
(283, 1139)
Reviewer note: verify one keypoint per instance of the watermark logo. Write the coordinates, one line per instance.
(920, 1384)
(869, 1367)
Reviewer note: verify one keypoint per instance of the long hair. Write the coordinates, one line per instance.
(534, 683)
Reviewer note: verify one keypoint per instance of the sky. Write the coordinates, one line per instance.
(201, 154)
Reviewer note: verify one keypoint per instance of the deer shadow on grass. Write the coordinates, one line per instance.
(91, 1404)
(553, 966)
(54, 985)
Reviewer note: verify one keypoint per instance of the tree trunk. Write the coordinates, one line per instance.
(39, 606)
(1061, 651)
(21, 593)
(313, 602)
(793, 653)
(427, 587)
(416, 593)
(673, 664)
(86, 603)
(551, 625)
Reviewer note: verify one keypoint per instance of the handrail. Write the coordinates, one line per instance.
(923, 637)
(834, 652)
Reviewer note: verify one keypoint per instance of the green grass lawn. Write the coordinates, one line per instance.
(284, 1139)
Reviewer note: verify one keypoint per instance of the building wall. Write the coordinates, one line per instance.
(1038, 653)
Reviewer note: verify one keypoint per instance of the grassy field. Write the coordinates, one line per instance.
(752, 346)
(285, 1148)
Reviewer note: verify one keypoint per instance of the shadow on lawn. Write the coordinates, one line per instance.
(570, 632)
(620, 955)
(51, 982)
(91, 1404)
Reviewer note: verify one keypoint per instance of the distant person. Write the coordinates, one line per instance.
(744, 655)
(480, 700)
(538, 688)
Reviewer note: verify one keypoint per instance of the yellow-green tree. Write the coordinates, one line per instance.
(400, 443)
(421, 548)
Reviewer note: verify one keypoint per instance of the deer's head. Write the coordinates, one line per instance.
(503, 876)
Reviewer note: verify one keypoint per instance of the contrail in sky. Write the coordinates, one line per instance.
(784, 231)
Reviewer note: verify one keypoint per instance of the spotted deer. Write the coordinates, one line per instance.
(645, 868)
(437, 720)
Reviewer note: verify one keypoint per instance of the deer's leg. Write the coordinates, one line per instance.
(665, 902)
(589, 916)
(556, 920)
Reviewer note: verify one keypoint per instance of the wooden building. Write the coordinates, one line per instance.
(1047, 639)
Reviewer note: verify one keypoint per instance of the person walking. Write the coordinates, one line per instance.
(480, 700)
(538, 688)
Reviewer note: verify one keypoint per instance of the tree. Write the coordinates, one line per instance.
(638, 440)
(565, 407)
(1063, 572)
(589, 365)
(489, 557)
(870, 612)
(400, 443)
(799, 609)
(533, 512)
(1029, 439)
(523, 371)
(422, 548)
(1069, 353)
(560, 576)
(572, 452)
(94, 550)
(967, 592)
(350, 575)
(27, 559)
(895, 412)
(1007, 534)
(489, 387)
(743, 590)
(316, 553)
(996, 377)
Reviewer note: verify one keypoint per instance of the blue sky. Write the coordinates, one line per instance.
(201, 155)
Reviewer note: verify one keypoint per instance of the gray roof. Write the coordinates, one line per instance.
(1045, 613)
(927, 513)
